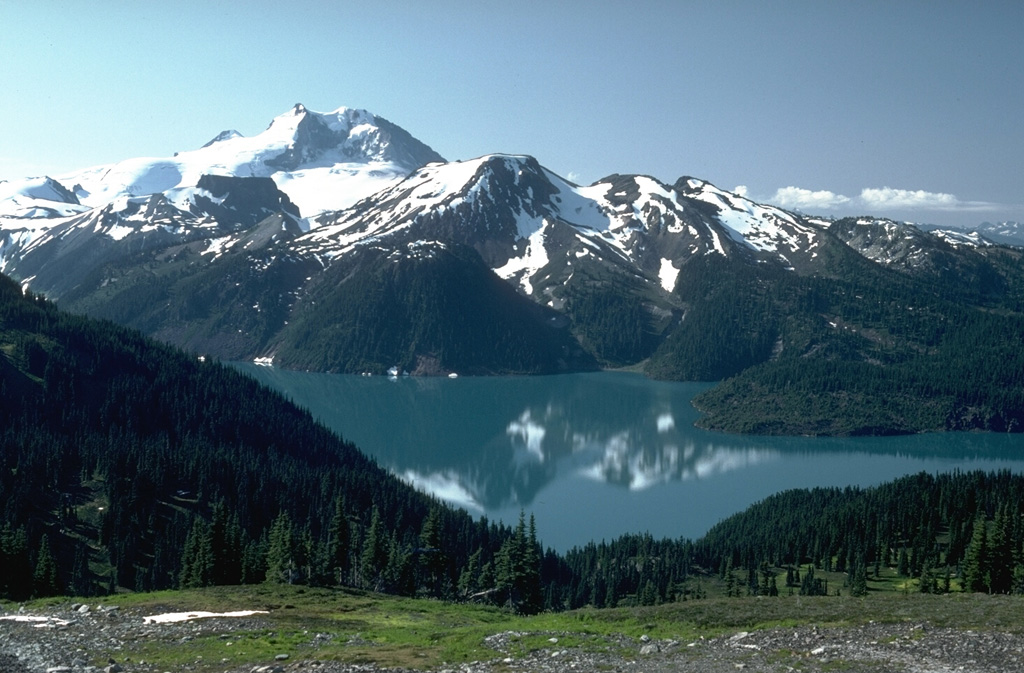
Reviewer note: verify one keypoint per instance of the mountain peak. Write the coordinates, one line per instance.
(224, 135)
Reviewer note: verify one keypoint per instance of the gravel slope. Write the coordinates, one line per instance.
(66, 641)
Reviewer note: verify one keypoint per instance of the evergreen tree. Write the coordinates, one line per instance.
(281, 561)
(518, 571)
(339, 540)
(432, 559)
(197, 557)
(649, 594)
(1001, 556)
(226, 544)
(769, 585)
(16, 577)
(730, 580)
(928, 584)
(81, 577)
(903, 563)
(400, 572)
(374, 557)
(44, 580)
(469, 579)
(859, 578)
(254, 561)
(976, 561)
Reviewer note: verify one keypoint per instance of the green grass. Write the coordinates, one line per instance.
(360, 627)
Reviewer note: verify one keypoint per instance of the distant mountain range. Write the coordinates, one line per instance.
(338, 242)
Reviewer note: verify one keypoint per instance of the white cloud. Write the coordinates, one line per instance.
(741, 190)
(887, 197)
(879, 201)
(806, 199)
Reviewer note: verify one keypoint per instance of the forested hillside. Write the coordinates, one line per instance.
(965, 526)
(865, 350)
(128, 465)
(431, 309)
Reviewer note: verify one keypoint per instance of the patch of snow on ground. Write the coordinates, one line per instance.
(654, 188)
(583, 206)
(219, 246)
(172, 617)
(668, 275)
(717, 242)
(35, 619)
(330, 188)
(119, 231)
(760, 227)
(957, 238)
(533, 260)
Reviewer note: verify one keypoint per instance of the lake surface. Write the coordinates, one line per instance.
(596, 455)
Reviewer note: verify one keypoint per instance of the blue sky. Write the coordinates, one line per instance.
(904, 109)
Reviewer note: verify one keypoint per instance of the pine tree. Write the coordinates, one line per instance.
(339, 540)
(903, 563)
(81, 577)
(730, 580)
(518, 570)
(226, 545)
(976, 571)
(197, 556)
(769, 585)
(432, 560)
(928, 584)
(469, 578)
(649, 593)
(374, 557)
(281, 562)
(859, 578)
(1001, 560)
(44, 579)
(16, 578)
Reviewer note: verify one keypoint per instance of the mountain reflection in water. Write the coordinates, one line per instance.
(595, 455)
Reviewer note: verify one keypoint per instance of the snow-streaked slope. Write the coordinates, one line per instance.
(951, 255)
(957, 238)
(1007, 233)
(431, 192)
(986, 233)
(535, 228)
(761, 227)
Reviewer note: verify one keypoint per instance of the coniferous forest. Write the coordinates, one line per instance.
(130, 465)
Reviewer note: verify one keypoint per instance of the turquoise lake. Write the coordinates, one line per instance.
(596, 455)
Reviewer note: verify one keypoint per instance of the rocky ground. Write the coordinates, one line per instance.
(67, 640)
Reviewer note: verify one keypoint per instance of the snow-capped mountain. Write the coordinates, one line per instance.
(338, 242)
(219, 211)
(535, 229)
(37, 198)
(900, 244)
(323, 161)
(1008, 233)
(1001, 233)
(308, 161)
